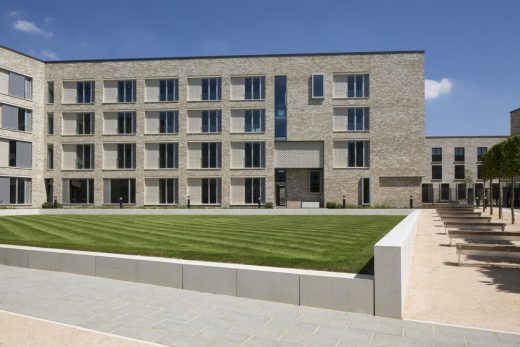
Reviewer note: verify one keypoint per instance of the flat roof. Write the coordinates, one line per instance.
(267, 55)
(518, 109)
(465, 136)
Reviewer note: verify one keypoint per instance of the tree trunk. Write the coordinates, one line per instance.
(500, 198)
(491, 196)
(512, 196)
(483, 197)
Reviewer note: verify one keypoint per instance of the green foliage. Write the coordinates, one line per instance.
(268, 204)
(51, 205)
(332, 243)
(331, 204)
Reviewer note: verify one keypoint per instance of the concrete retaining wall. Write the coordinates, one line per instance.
(338, 291)
(215, 211)
(392, 264)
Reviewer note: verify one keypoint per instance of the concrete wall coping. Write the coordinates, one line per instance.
(400, 232)
(216, 211)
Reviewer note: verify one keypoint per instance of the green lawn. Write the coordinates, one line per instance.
(333, 243)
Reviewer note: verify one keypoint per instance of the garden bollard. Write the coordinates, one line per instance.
(344, 201)
(188, 204)
(259, 204)
(120, 202)
(411, 201)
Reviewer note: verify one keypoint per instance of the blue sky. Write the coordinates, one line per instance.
(472, 47)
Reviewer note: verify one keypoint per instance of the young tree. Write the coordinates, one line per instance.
(511, 167)
(488, 174)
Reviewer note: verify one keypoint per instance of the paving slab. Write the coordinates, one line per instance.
(170, 316)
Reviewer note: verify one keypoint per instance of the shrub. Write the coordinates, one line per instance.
(331, 204)
(268, 205)
(51, 205)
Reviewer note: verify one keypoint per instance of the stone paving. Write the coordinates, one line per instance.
(183, 318)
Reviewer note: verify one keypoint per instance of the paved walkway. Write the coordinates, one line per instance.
(184, 318)
(441, 291)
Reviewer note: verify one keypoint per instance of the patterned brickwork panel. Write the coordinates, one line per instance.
(110, 123)
(299, 155)
(151, 190)
(340, 86)
(68, 161)
(4, 82)
(237, 121)
(237, 191)
(4, 152)
(195, 190)
(194, 89)
(194, 121)
(110, 156)
(237, 88)
(69, 123)
(151, 155)
(69, 92)
(194, 155)
(237, 155)
(152, 122)
(340, 154)
(110, 91)
(340, 119)
(152, 90)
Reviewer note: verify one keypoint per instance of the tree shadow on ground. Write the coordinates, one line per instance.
(505, 279)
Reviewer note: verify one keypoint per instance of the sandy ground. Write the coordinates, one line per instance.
(440, 291)
(19, 330)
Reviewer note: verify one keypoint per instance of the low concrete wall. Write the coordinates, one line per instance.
(210, 211)
(331, 290)
(392, 264)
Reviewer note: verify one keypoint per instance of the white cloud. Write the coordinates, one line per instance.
(434, 89)
(47, 53)
(30, 27)
(13, 14)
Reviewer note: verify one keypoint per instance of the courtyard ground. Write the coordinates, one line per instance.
(441, 291)
(330, 243)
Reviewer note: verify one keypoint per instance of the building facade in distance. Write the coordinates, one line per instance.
(217, 131)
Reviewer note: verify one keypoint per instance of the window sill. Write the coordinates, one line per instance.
(162, 102)
(119, 103)
(351, 168)
(200, 101)
(164, 204)
(133, 134)
(77, 170)
(351, 131)
(77, 135)
(204, 169)
(78, 103)
(209, 133)
(351, 98)
(17, 168)
(248, 133)
(18, 131)
(127, 170)
(248, 100)
(161, 169)
(17, 97)
(247, 168)
(161, 134)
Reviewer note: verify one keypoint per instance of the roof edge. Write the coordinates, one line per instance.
(465, 136)
(518, 109)
(268, 55)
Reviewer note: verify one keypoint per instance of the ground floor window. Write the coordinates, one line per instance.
(445, 192)
(315, 181)
(117, 190)
(427, 193)
(15, 190)
(49, 189)
(461, 191)
(365, 191)
(168, 190)
(211, 191)
(78, 191)
(254, 190)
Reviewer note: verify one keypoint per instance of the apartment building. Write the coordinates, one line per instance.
(453, 167)
(214, 131)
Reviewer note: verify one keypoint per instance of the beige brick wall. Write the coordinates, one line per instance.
(515, 122)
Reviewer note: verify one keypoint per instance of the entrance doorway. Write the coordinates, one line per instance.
(281, 188)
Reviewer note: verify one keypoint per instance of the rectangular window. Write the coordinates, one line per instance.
(480, 152)
(254, 190)
(50, 92)
(357, 86)
(126, 123)
(315, 181)
(479, 172)
(50, 156)
(121, 190)
(280, 107)
(365, 191)
(168, 156)
(254, 156)
(211, 89)
(85, 92)
(23, 120)
(211, 191)
(50, 123)
(16, 118)
(85, 124)
(461, 191)
(436, 154)
(210, 155)
(427, 193)
(168, 190)
(459, 172)
(358, 153)
(85, 157)
(357, 119)
(20, 86)
(81, 191)
(19, 190)
(459, 153)
(169, 122)
(436, 172)
(318, 86)
(20, 154)
(12, 153)
(126, 155)
(254, 121)
(445, 192)
(211, 121)
(126, 91)
(254, 88)
(169, 90)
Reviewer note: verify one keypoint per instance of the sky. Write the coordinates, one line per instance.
(472, 48)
